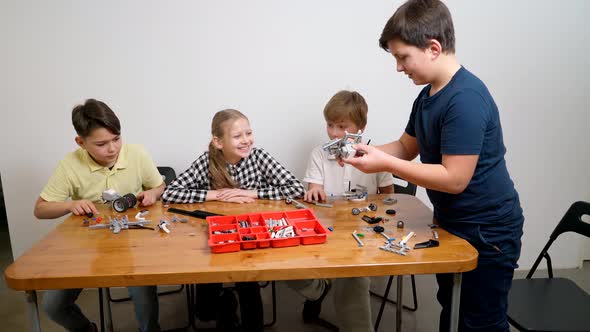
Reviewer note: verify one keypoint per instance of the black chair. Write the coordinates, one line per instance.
(409, 189)
(168, 175)
(552, 304)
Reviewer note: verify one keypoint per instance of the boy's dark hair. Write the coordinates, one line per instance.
(418, 21)
(92, 115)
(347, 105)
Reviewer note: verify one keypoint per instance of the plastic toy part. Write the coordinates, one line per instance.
(109, 195)
(389, 201)
(400, 248)
(323, 204)
(372, 220)
(121, 204)
(141, 215)
(389, 239)
(357, 239)
(406, 238)
(378, 229)
(342, 147)
(400, 224)
(117, 224)
(297, 204)
(426, 244)
(371, 207)
(357, 195)
(163, 226)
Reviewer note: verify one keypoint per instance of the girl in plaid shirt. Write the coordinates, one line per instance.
(233, 170)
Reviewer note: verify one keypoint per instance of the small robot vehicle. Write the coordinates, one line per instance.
(342, 147)
(119, 203)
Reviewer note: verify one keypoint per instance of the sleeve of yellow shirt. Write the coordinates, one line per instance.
(58, 188)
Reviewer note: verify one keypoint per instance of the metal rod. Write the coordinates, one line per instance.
(33, 311)
(398, 306)
(108, 313)
(455, 302)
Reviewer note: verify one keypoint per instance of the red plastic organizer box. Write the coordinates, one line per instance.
(252, 230)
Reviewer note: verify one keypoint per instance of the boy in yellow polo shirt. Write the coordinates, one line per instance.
(102, 162)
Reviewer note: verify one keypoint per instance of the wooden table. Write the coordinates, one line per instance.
(73, 256)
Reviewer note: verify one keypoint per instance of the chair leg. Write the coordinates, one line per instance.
(101, 310)
(384, 300)
(414, 295)
(274, 305)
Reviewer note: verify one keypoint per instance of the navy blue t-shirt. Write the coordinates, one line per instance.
(462, 119)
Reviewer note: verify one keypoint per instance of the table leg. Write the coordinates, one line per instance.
(455, 301)
(33, 310)
(108, 313)
(399, 305)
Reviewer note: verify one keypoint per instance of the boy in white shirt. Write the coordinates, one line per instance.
(345, 112)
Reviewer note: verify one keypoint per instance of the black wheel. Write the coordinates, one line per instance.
(372, 207)
(131, 200)
(356, 211)
(120, 204)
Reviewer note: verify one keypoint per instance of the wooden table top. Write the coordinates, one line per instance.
(73, 256)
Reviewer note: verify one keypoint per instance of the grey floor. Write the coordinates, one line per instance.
(14, 315)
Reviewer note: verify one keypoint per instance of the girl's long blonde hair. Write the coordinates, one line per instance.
(222, 120)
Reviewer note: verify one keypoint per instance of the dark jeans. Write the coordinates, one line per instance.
(215, 302)
(484, 291)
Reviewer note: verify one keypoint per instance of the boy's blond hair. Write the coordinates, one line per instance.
(347, 105)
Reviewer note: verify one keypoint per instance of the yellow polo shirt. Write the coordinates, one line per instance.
(78, 176)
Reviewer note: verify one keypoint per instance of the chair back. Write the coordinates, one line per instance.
(571, 222)
(408, 189)
(168, 174)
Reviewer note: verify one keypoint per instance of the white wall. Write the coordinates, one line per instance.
(166, 67)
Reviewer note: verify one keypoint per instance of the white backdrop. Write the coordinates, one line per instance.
(166, 67)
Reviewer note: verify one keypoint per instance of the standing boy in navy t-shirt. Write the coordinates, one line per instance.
(455, 128)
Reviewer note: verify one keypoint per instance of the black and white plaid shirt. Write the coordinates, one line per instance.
(259, 171)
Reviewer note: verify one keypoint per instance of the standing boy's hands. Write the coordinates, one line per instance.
(315, 193)
(372, 161)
